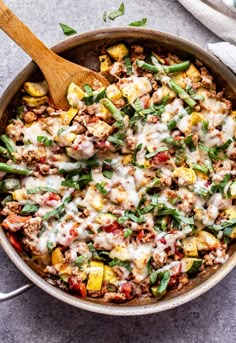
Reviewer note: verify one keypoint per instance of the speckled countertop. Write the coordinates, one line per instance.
(35, 317)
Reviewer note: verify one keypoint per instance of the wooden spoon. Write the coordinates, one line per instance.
(57, 71)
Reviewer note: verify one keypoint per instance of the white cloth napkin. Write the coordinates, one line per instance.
(220, 17)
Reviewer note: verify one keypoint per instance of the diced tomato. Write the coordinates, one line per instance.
(113, 228)
(140, 235)
(43, 159)
(179, 254)
(77, 286)
(207, 183)
(126, 288)
(162, 240)
(73, 232)
(93, 119)
(166, 61)
(14, 242)
(53, 196)
(161, 157)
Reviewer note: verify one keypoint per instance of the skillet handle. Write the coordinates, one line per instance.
(15, 293)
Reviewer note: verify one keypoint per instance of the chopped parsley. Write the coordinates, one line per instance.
(101, 188)
(117, 13)
(44, 140)
(141, 22)
(67, 29)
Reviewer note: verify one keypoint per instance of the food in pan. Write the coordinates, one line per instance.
(130, 192)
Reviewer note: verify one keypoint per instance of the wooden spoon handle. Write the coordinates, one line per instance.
(23, 37)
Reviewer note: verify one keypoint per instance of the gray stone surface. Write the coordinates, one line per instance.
(35, 317)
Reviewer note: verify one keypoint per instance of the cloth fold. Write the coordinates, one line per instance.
(219, 16)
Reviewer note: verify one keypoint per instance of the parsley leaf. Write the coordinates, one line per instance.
(128, 233)
(117, 262)
(101, 188)
(141, 22)
(67, 29)
(44, 140)
(117, 13)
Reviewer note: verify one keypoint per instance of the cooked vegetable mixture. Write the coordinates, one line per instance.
(131, 191)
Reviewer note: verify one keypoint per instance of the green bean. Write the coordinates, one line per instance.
(7, 185)
(167, 69)
(14, 169)
(41, 189)
(112, 108)
(9, 145)
(128, 65)
(147, 66)
(56, 212)
(176, 67)
(181, 93)
(200, 168)
(4, 152)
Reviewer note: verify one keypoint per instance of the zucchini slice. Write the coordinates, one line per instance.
(75, 154)
(206, 241)
(190, 247)
(118, 51)
(191, 265)
(36, 88)
(34, 101)
(95, 276)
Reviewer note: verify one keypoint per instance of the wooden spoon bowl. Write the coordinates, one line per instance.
(58, 72)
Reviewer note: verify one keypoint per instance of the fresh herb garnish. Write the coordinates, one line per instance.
(41, 189)
(205, 125)
(81, 260)
(28, 208)
(128, 65)
(101, 188)
(155, 152)
(107, 169)
(175, 214)
(117, 262)
(67, 29)
(219, 186)
(175, 142)
(132, 216)
(117, 139)
(88, 89)
(59, 132)
(199, 167)
(127, 233)
(105, 16)
(172, 124)
(50, 246)
(44, 140)
(141, 22)
(117, 13)
(137, 149)
(213, 153)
